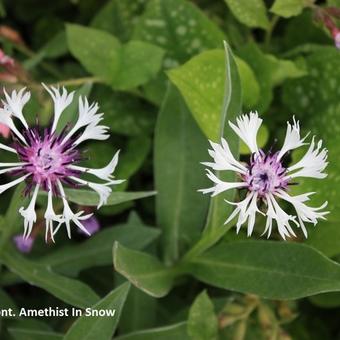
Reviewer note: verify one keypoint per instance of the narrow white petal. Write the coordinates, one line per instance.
(220, 185)
(223, 158)
(104, 173)
(15, 103)
(292, 139)
(50, 217)
(60, 100)
(6, 186)
(275, 212)
(246, 128)
(304, 212)
(103, 190)
(7, 148)
(29, 214)
(246, 211)
(312, 164)
(69, 216)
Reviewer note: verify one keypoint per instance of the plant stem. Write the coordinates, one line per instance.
(270, 30)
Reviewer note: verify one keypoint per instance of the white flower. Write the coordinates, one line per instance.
(48, 160)
(266, 179)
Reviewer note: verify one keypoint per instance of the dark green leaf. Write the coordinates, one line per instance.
(100, 327)
(71, 291)
(142, 270)
(177, 331)
(97, 251)
(274, 270)
(87, 197)
(202, 321)
(179, 147)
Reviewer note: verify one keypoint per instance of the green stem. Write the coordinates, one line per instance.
(78, 81)
(270, 30)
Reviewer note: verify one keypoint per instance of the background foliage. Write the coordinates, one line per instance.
(167, 83)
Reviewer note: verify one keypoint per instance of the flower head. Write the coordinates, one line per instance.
(336, 37)
(48, 160)
(266, 179)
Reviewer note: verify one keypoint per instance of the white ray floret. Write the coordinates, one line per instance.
(16, 102)
(60, 100)
(247, 127)
(29, 214)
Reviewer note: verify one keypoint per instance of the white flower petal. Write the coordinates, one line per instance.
(292, 139)
(304, 212)
(312, 164)
(6, 118)
(69, 216)
(275, 212)
(16, 102)
(220, 185)
(50, 217)
(92, 131)
(246, 210)
(247, 128)
(104, 173)
(6, 186)
(103, 190)
(29, 214)
(60, 100)
(223, 158)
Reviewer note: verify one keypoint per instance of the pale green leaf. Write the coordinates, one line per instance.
(250, 12)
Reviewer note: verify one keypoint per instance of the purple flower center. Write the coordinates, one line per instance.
(47, 159)
(266, 174)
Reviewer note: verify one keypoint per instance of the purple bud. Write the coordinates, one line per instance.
(91, 224)
(23, 244)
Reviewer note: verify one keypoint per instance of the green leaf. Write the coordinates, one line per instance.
(202, 83)
(97, 251)
(253, 266)
(121, 66)
(87, 197)
(98, 51)
(202, 321)
(117, 17)
(142, 270)
(134, 317)
(326, 300)
(68, 290)
(252, 13)
(100, 327)
(325, 237)
(315, 98)
(12, 220)
(269, 72)
(6, 301)
(249, 84)
(179, 27)
(219, 210)
(140, 62)
(32, 334)
(232, 101)
(179, 147)
(176, 331)
(125, 114)
(288, 8)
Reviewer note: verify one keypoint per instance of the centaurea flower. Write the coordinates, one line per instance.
(266, 179)
(48, 160)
